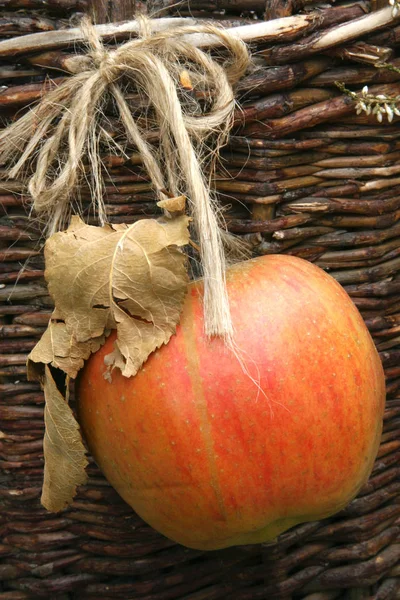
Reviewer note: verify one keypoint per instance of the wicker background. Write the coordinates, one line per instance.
(302, 175)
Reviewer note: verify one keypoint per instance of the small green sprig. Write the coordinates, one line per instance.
(379, 105)
(388, 66)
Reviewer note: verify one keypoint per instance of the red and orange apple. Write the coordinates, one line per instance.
(214, 453)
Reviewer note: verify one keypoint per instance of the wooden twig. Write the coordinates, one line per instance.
(266, 31)
(76, 5)
(349, 132)
(380, 184)
(312, 115)
(17, 276)
(13, 72)
(276, 9)
(243, 174)
(233, 159)
(19, 24)
(260, 147)
(387, 37)
(365, 222)
(364, 256)
(355, 75)
(21, 95)
(371, 147)
(301, 233)
(380, 289)
(263, 189)
(249, 226)
(306, 117)
(323, 40)
(343, 205)
(362, 238)
(58, 60)
(368, 273)
(359, 173)
(278, 105)
(272, 79)
(363, 53)
(359, 161)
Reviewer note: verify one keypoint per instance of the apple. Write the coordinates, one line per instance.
(215, 451)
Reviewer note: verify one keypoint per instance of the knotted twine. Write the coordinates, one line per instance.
(66, 127)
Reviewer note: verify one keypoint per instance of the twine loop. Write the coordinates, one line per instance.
(58, 142)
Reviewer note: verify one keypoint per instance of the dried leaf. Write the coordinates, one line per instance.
(132, 278)
(173, 206)
(185, 81)
(59, 349)
(64, 452)
(78, 265)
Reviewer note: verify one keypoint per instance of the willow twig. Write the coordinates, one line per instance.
(278, 105)
(343, 205)
(348, 132)
(312, 115)
(359, 161)
(252, 226)
(362, 52)
(327, 39)
(266, 31)
(351, 75)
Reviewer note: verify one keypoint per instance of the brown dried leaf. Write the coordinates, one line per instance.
(147, 312)
(185, 80)
(132, 278)
(59, 349)
(173, 206)
(64, 452)
(78, 266)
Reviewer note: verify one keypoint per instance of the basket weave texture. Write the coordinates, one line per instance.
(303, 175)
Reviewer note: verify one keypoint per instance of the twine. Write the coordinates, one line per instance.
(55, 137)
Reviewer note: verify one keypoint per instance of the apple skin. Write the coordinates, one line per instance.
(212, 457)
